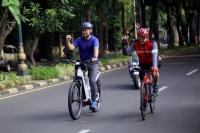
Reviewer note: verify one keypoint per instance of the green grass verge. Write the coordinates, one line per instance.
(8, 80)
(113, 59)
(178, 50)
(45, 72)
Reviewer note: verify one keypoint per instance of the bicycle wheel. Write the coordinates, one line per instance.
(75, 101)
(98, 99)
(143, 100)
(152, 102)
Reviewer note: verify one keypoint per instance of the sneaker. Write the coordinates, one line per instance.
(94, 105)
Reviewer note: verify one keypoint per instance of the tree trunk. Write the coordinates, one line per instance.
(5, 27)
(34, 45)
(198, 28)
(154, 22)
(100, 14)
(87, 13)
(178, 23)
(123, 18)
(111, 39)
(143, 14)
(188, 21)
(60, 45)
(171, 32)
(111, 30)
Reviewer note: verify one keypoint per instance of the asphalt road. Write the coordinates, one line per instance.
(177, 108)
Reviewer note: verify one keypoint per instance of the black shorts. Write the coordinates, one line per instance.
(144, 67)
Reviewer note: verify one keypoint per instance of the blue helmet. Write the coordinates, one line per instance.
(87, 25)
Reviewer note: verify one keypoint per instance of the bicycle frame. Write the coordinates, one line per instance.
(148, 79)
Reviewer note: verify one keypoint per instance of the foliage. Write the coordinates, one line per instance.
(178, 50)
(51, 19)
(65, 69)
(113, 59)
(13, 6)
(8, 80)
(43, 73)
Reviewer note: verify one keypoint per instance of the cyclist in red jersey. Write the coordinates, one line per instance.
(147, 52)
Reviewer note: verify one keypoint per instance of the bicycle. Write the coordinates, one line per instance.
(147, 95)
(80, 93)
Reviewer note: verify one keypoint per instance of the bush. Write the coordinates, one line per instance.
(64, 69)
(8, 80)
(44, 73)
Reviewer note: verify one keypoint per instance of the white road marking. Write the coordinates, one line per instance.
(84, 131)
(191, 72)
(162, 88)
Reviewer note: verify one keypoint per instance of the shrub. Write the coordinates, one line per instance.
(8, 80)
(65, 69)
(44, 73)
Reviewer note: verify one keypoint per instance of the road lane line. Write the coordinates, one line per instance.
(84, 131)
(191, 72)
(162, 88)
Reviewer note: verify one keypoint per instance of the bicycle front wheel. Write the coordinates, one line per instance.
(75, 101)
(143, 100)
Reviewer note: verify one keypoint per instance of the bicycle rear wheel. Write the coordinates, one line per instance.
(75, 101)
(152, 102)
(143, 100)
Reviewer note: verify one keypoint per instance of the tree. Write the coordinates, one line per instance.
(7, 23)
(41, 21)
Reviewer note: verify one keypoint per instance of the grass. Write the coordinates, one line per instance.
(8, 80)
(178, 50)
(43, 73)
(65, 69)
(113, 59)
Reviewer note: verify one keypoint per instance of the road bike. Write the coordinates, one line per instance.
(147, 95)
(80, 93)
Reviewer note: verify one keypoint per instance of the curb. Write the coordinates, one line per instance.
(42, 83)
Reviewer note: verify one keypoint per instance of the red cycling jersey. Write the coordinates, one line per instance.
(144, 52)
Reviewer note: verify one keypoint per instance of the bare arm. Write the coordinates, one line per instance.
(70, 46)
(96, 52)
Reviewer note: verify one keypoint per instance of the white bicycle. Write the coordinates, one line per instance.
(80, 93)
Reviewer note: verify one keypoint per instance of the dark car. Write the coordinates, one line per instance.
(8, 57)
